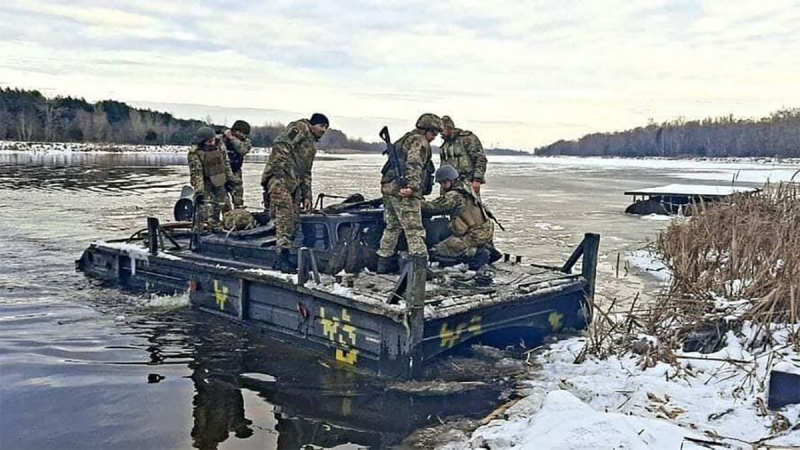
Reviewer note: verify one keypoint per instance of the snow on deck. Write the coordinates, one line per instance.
(692, 189)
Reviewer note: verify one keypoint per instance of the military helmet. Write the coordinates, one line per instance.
(429, 122)
(241, 125)
(203, 134)
(447, 122)
(446, 173)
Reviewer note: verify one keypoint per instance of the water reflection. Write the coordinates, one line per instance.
(309, 403)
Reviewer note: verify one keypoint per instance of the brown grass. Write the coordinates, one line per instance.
(745, 249)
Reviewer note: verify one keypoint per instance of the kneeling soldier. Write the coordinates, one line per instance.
(211, 176)
(472, 229)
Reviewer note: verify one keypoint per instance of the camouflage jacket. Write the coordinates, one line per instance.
(237, 149)
(461, 204)
(465, 153)
(209, 167)
(291, 160)
(414, 153)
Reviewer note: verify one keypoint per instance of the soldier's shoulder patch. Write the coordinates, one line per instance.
(293, 132)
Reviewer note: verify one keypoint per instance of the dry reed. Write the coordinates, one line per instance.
(745, 249)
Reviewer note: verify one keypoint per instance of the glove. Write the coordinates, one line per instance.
(199, 198)
(229, 186)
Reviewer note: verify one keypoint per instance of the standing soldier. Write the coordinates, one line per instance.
(469, 222)
(463, 150)
(238, 145)
(287, 180)
(210, 175)
(402, 199)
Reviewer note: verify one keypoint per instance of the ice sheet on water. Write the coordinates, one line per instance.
(166, 301)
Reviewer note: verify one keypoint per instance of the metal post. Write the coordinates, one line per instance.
(302, 266)
(152, 235)
(415, 304)
(591, 246)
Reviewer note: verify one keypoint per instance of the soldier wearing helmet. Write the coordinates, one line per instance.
(472, 230)
(210, 175)
(401, 201)
(237, 143)
(287, 181)
(463, 150)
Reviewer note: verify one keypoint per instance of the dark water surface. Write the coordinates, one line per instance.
(86, 366)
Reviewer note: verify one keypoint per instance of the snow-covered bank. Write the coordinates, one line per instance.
(96, 147)
(615, 403)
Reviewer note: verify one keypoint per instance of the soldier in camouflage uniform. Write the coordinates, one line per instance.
(287, 180)
(463, 150)
(238, 145)
(472, 229)
(401, 203)
(210, 175)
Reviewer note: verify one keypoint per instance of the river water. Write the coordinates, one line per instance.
(88, 366)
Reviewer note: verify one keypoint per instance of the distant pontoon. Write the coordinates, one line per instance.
(678, 198)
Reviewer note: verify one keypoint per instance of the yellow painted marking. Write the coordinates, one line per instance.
(221, 294)
(347, 356)
(556, 320)
(450, 337)
(347, 406)
(339, 331)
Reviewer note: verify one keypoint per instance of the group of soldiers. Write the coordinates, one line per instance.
(215, 163)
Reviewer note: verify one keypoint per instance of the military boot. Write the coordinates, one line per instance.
(481, 258)
(284, 262)
(387, 265)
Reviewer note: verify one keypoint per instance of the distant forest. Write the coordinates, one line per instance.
(775, 136)
(30, 116)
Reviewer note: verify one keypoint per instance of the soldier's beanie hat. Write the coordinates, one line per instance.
(447, 122)
(203, 134)
(241, 125)
(319, 119)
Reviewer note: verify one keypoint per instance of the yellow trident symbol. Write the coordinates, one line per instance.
(221, 294)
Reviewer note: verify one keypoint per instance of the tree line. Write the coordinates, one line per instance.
(28, 115)
(777, 135)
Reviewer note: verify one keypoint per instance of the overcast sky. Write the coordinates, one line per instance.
(518, 73)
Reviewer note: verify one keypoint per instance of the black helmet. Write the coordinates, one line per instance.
(446, 173)
(241, 125)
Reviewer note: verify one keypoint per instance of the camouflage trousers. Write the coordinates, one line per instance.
(284, 212)
(402, 215)
(217, 203)
(238, 189)
(466, 245)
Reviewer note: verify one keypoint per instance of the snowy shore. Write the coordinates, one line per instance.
(714, 400)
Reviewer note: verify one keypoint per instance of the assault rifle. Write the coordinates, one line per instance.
(394, 161)
(491, 215)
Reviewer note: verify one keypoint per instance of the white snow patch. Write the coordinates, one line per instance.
(132, 250)
(273, 273)
(615, 403)
(564, 422)
(646, 262)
